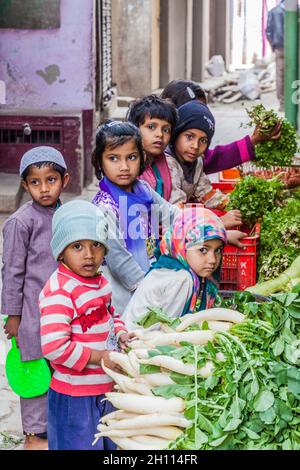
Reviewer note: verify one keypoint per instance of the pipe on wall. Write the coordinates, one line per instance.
(291, 60)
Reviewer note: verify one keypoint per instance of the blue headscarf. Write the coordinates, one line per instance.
(134, 213)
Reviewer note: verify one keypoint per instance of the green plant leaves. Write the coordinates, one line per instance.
(264, 401)
(252, 400)
(278, 152)
(254, 197)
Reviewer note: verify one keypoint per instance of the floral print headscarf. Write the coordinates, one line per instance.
(191, 228)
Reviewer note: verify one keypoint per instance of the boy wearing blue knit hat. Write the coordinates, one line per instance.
(27, 264)
(79, 329)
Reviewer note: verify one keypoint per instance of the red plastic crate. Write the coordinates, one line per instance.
(224, 186)
(239, 266)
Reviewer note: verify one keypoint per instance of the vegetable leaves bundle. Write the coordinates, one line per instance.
(254, 197)
(252, 400)
(278, 152)
(279, 239)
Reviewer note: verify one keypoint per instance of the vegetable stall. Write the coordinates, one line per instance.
(226, 378)
(267, 198)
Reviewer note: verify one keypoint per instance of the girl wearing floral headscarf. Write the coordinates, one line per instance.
(187, 268)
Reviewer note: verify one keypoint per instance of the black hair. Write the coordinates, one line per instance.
(53, 165)
(182, 91)
(112, 134)
(153, 106)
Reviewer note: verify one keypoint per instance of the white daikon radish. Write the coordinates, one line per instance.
(151, 420)
(123, 361)
(170, 363)
(167, 432)
(207, 370)
(166, 328)
(143, 405)
(140, 388)
(141, 353)
(212, 314)
(134, 362)
(220, 357)
(121, 380)
(140, 344)
(117, 415)
(153, 440)
(195, 337)
(218, 325)
(124, 443)
(158, 380)
(175, 365)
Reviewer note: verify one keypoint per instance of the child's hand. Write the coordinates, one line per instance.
(234, 237)
(124, 340)
(11, 327)
(257, 137)
(232, 219)
(106, 360)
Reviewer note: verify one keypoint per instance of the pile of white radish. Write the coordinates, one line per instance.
(145, 421)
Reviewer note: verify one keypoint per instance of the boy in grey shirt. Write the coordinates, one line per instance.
(27, 264)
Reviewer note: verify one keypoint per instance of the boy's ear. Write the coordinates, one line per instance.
(65, 180)
(24, 185)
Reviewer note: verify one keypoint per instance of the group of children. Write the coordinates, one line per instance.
(152, 248)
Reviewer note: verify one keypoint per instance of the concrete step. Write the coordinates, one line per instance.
(10, 192)
(124, 101)
(119, 113)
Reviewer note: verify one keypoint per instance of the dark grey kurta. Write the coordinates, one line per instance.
(27, 265)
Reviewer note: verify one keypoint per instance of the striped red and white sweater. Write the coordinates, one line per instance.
(76, 317)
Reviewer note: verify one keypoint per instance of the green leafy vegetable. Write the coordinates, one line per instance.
(156, 315)
(252, 401)
(278, 152)
(254, 197)
(279, 239)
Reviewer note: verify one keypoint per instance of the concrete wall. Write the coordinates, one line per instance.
(51, 69)
(201, 38)
(135, 46)
(173, 49)
(220, 29)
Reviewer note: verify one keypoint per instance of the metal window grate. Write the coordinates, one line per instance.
(106, 50)
(37, 136)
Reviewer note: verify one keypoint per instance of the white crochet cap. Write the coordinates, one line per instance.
(41, 154)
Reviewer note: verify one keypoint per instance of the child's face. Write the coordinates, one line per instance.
(205, 259)
(45, 185)
(190, 144)
(83, 257)
(156, 134)
(121, 165)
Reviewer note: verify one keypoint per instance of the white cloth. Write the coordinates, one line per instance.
(163, 288)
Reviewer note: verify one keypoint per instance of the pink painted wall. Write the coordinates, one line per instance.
(50, 69)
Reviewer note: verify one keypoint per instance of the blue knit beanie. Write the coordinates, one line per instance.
(194, 115)
(41, 154)
(77, 220)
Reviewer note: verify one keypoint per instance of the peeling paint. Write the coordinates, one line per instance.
(50, 74)
(39, 61)
(10, 72)
(88, 88)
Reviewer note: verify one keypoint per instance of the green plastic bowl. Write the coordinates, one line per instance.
(28, 379)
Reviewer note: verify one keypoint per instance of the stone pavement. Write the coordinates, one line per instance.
(228, 120)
